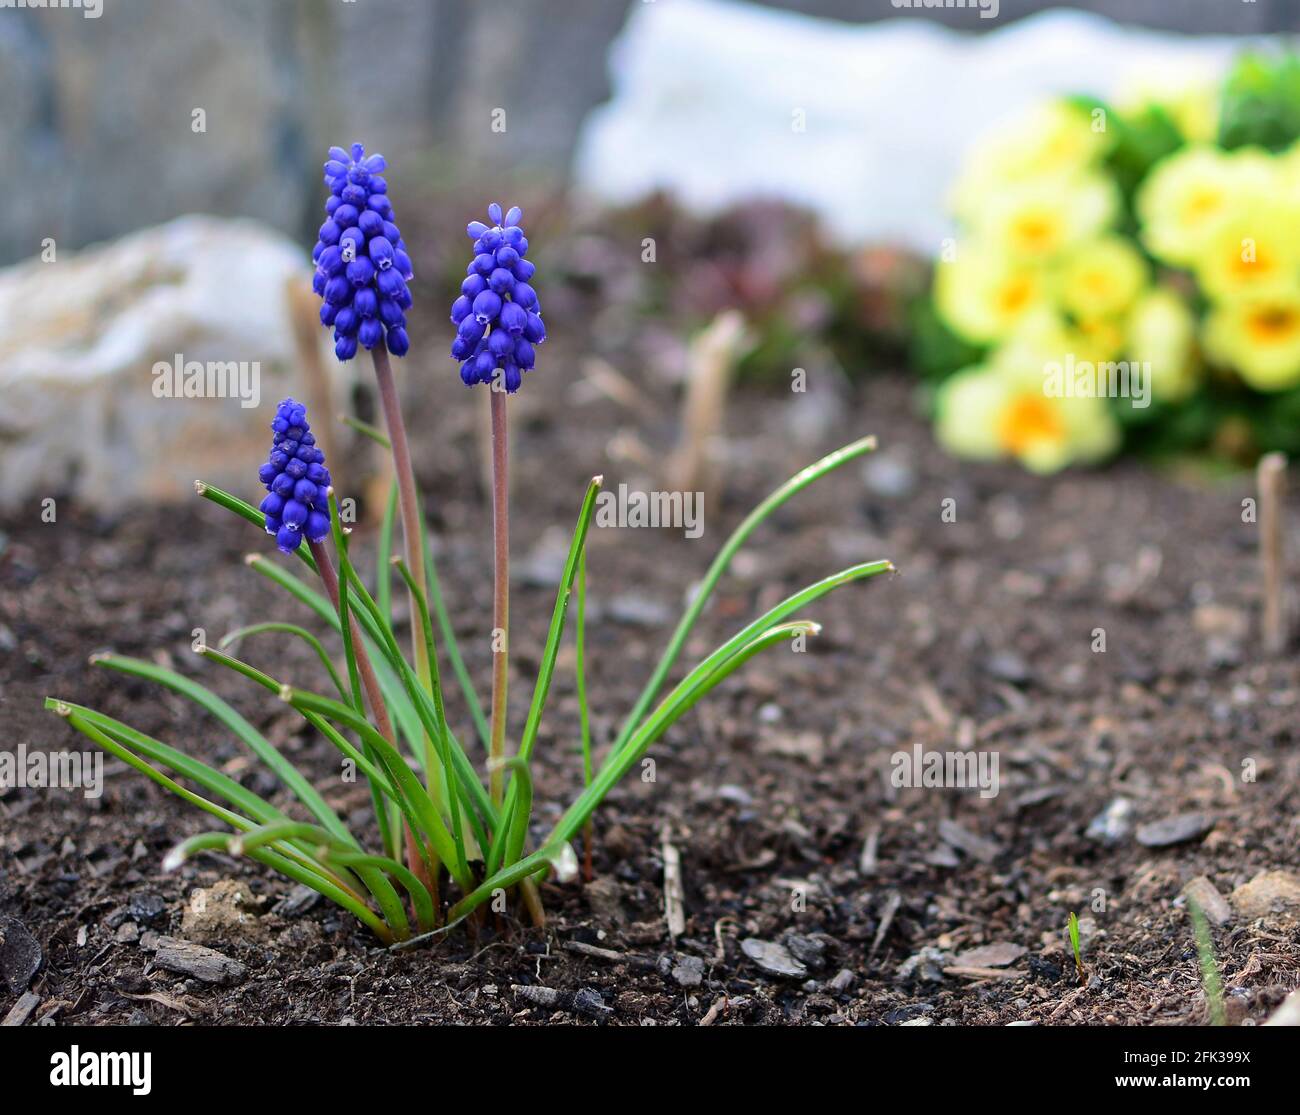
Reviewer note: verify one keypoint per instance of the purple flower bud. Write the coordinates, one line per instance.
(345, 348)
(330, 262)
(346, 322)
(515, 215)
(462, 307)
(473, 286)
(272, 505)
(524, 270)
(329, 232)
(390, 313)
(513, 318)
(486, 307)
(475, 229)
(318, 526)
(366, 302)
(467, 374)
(500, 344)
(398, 342)
(501, 281)
(389, 283)
(288, 539)
(338, 291)
(361, 272)
(371, 223)
(471, 329)
(328, 312)
(507, 257)
(370, 332)
(304, 491)
(513, 378)
(525, 296)
(535, 330)
(381, 253)
(461, 347)
(524, 355)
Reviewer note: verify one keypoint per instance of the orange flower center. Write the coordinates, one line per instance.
(1027, 420)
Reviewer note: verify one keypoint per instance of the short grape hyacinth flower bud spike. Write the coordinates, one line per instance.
(362, 268)
(297, 481)
(497, 316)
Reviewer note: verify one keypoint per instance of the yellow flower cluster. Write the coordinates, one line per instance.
(1233, 220)
(1063, 301)
(1039, 276)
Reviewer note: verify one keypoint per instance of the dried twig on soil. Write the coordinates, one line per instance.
(674, 897)
(1271, 480)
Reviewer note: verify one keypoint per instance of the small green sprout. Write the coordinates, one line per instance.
(1074, 945)
(1209, 967)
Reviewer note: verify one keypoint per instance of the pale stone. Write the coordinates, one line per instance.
(84, 341)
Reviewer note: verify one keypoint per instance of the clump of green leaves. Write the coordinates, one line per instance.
(435, 816)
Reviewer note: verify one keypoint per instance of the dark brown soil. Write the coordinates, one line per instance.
(769, 790)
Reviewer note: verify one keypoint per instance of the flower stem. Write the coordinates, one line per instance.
(378, 708)
(412, 523)
(501, 589)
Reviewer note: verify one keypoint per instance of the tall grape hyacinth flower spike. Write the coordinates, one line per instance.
(498, 321)
(362, 272)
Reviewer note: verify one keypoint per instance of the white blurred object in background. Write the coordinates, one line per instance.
(83, 411)
(718, 102)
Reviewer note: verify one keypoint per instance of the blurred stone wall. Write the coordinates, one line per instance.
(98, 111)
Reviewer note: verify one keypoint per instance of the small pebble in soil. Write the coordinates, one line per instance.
(689, 971)
(926, 965)
(1113, 823)
(773, 958)
(589, 1002)
(20, 954)
(145, 907)
(1007, 665)
(203, 963)
(1178, 829)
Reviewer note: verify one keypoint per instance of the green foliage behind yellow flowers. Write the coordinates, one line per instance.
(1153, 243)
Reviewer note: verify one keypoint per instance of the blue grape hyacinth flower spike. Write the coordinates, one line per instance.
(297, 481)
(498, 318)
(362, 266)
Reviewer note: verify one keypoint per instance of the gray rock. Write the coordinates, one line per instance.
(842, 981)
(810, 951)
(1000, 954)
(1113, 823)
(1178, 829)
(689, 971)
(1007, 665)
(198, 961)
(145, 907)
(20, 954)
(589, 1002)
(297, 902)
(773, 958)
(926, 965)
(974, 845)
(1204, 893)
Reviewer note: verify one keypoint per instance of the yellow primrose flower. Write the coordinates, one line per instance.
(994, 411)
(983, 296)
(1191, 192)
(1039, 221)
(1260, 338)
(1053, 139)
(1250, 255)
(1102, 278)
(1162, 335)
